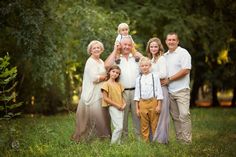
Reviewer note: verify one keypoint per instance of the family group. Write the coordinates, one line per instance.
(150, 88)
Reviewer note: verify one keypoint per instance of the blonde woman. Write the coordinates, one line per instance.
(155, 51)
(92, 120)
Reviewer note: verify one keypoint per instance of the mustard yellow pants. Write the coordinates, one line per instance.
(148, 117)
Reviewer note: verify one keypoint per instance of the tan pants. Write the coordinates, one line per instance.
(130, 107)
(148, 117)
(179, 109)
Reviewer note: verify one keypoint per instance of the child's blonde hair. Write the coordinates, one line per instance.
(144, 60)
(122, 25)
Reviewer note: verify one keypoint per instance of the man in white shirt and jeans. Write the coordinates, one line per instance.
(179, 65)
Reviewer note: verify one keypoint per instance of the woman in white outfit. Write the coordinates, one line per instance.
(92, 120)
(155, 52)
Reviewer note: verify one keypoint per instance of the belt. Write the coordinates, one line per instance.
(148, 99)
(130, 88)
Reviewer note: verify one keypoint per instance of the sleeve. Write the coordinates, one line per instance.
(91, 70)
(118, 38)
(122, 87)
(104, 87)
(159, 94)
(162, 67)
(186, 60)
(137, 90)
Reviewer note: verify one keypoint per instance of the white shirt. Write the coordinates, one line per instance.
(129, 71)
(177, 60)
(159, 67)
(91, 91)
(146, 83)
(119, 37)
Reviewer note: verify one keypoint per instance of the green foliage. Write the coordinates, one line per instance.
(213, 135)
(7, 90)
(204, 27)
(8, 105)
(48, 38)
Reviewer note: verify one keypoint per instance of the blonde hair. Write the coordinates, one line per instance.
(158, 41)
(144, 60)
(93, 43)
(122, 25)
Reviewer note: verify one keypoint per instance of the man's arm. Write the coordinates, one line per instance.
(111, 58)
(176, 76)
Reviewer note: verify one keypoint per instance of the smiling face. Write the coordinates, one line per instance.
(114, 74)
(124, 31)
(172, 42)
(145, 67)
(96, 50)
(154, 48)
(126, 46)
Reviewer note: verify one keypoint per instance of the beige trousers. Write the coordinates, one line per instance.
(179, 109)
(130, 107)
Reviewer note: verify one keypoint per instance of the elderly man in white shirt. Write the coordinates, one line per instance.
(179, 65)
(129, 73)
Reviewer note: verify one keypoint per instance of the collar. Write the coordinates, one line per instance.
(175, 51)
(130, 55)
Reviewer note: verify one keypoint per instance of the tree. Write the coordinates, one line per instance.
(47, 39)
(204, 28)
(8, 104)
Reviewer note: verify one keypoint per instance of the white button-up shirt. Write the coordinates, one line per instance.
(147, 86)
(177, 60)
(129, 71)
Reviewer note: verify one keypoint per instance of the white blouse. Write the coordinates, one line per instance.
(159, 67)
(91, 91)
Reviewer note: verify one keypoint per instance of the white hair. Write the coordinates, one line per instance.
(93, 43)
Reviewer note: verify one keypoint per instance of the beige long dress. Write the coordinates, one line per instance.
(92, 120)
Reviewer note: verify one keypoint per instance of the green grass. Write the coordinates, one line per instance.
(214, 135)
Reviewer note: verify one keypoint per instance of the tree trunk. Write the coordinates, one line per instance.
(215, 102)
(194, 93)
(233, 101)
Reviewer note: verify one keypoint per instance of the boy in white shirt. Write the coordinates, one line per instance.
(148, 96)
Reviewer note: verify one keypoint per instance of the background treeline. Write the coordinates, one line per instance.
(46, 40)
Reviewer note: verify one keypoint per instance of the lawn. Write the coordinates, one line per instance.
(214, 135)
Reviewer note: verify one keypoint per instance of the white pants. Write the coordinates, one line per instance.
(117, 117)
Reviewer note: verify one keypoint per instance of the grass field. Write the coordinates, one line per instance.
(214, 135)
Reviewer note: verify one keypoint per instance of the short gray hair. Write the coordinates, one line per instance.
(92, 43)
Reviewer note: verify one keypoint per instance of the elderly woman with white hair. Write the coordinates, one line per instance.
(92, 120)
